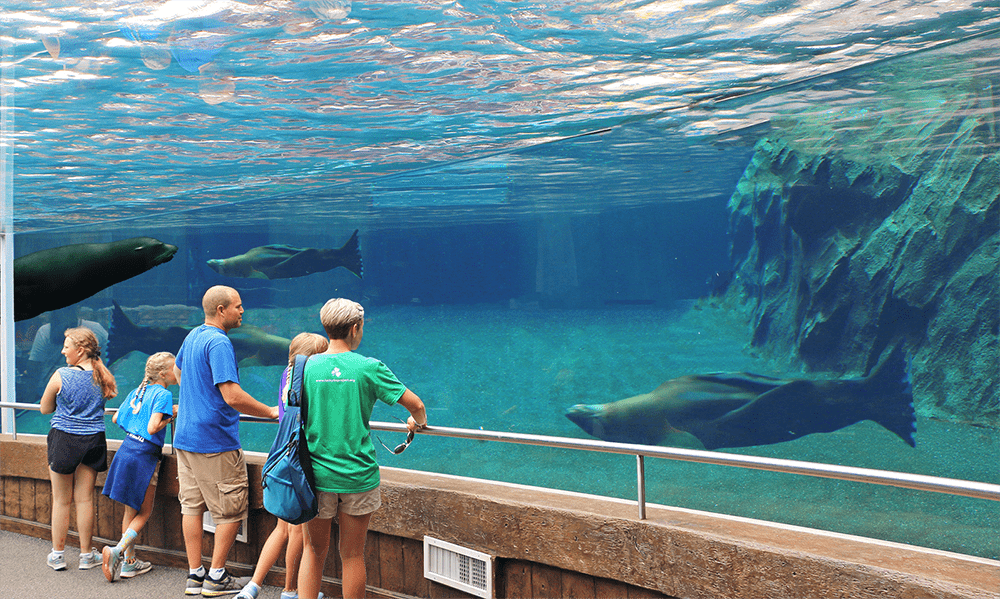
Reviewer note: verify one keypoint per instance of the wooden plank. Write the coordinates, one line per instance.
(635, 592)
(173, 530)
(24, 458)
(546, 581)
(13, 498)
(390, 557)
(605, 588)
(27, 500)
(154, 526)
(43, 502)
(414, 582)
(104, 522)
(439, 591)
(373, 563)
(514, 578)
(578, 586)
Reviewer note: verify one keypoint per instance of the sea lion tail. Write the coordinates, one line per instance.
(122, 331)
(891, 391)
(351, 255)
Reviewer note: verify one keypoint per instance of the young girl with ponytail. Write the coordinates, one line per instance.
(77, 449)
(131, 480)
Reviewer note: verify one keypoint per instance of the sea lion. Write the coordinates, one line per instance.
(249, 342)
(286, 262)
(719, 410)
(65, 275)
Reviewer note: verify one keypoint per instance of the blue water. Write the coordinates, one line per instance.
(541, 193)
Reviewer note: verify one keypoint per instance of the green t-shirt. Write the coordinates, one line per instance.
(341, 391)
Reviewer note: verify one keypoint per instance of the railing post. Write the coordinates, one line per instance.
(641, 471)
(7, 377)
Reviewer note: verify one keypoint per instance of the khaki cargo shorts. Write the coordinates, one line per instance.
(214, 481)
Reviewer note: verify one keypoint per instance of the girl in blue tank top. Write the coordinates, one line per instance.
(77, 449)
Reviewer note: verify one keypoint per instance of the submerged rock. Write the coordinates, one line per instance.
(839, 256)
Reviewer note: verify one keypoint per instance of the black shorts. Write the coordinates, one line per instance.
(67, 451)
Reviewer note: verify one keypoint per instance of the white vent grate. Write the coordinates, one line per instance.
(458, 567)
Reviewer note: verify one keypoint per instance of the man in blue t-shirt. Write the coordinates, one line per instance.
(211, 469)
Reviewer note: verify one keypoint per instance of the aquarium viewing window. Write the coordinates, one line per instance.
(760, 229)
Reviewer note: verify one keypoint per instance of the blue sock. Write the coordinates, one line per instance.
(127, 543)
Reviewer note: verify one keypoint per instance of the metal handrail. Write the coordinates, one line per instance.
(905, 480)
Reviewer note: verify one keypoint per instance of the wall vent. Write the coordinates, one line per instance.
(458, 567)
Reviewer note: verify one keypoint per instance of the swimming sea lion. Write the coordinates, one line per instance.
(739, 410)
(65, 275)
(249, 342)
(286, 262)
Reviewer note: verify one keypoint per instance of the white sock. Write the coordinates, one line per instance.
(199, 571)
(216, 573)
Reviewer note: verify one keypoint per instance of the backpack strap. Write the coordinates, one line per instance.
(296, 394)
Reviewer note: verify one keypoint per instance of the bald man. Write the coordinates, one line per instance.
(211, 469)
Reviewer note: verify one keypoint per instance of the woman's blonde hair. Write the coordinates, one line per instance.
(338, 315)
(85, 339)
(306, 344)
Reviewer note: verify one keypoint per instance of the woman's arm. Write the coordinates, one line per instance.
(48, 401)
(418, 414)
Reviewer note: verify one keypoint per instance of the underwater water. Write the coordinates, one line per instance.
(555, 205)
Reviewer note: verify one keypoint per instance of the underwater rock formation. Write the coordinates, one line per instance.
(838, 257)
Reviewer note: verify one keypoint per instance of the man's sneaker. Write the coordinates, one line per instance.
(227, 585)
(111, 562)
(90, 560)
(135, 568)
(194, 583)
(56, 561)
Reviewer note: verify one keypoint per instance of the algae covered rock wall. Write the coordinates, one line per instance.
(839, 254)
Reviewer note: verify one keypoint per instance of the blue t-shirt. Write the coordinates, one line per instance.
(205, 422)
(79, 403)
(134, 413)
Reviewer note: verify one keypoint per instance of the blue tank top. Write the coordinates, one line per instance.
(79, 403)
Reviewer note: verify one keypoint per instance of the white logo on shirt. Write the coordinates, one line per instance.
(336, 372)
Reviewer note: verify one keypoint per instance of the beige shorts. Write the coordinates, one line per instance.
(352, 504)
(214, 481)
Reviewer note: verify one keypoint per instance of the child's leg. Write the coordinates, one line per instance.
(293, 555)
(270, 551)
(134, 521)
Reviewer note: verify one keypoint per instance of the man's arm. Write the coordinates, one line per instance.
(243, 402)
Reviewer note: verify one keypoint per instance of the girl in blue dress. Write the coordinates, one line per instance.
(131, 480)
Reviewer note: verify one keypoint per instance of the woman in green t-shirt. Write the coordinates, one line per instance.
(342, 388)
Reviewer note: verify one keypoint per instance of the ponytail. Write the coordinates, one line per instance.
(86, 340)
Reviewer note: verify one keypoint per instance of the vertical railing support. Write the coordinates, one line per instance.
(641, 471)
(7, 238)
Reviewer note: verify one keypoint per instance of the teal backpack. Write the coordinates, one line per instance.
(289, 487)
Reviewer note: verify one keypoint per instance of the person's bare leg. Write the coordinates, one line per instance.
(138, 520)
(293, 555)
(62, 499)
(225, 536)
(353, 532)
(192, 526)
(83, 497)
(270, 551)
(315, 545)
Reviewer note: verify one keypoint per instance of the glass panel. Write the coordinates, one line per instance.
(570, 215)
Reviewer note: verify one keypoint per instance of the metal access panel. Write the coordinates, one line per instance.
(459, 567)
